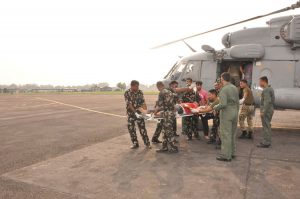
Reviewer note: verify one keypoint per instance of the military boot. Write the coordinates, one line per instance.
(164, 148)
(173, 148)
(156, 141)
(135, 145)
(211, 140)
(243, 135)
(250, 135)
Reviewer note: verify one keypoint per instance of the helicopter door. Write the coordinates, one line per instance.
(238, 70)
(208, 74)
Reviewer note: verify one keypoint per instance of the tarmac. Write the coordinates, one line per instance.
(68, 146)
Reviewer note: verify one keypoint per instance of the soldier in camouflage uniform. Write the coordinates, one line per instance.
(172, 87)
(266, 111)
(134, 99)
(247, 111)
(189, 123)
(166, 107)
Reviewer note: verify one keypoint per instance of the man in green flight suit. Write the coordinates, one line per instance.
(229, 108)
(266, 111)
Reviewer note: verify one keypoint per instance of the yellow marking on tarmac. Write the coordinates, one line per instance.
(82, 108)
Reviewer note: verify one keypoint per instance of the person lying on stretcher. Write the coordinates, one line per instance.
(182, 110)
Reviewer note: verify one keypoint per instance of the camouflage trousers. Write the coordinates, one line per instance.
(247, 112)
(191, 126)
(159, 128)
(131, 120)
(215, 128)
(168, 131)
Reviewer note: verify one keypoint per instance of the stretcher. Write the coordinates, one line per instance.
(182, 110)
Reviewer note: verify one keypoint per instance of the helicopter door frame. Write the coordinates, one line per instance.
(235, 67)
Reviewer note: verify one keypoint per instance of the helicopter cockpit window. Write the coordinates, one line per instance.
(192, 70)
(176, 71)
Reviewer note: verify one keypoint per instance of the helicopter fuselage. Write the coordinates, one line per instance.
(272, 51)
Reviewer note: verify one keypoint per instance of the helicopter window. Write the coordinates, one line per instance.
(180, 67)
(176, 71)
(192, 70)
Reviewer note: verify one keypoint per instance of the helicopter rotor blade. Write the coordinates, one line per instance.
(190, 47)
(292, 7)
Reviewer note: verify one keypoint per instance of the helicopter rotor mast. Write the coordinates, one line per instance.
(292, 7)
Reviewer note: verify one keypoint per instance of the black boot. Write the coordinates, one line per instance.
(164, 148)
(156, 141)
(135, 145)
(197, 137)
(211, 140)
(173, 148)
(243, 135)
(250, 135)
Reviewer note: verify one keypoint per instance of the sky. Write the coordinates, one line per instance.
(72, 42)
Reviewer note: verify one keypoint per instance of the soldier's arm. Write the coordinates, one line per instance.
(267, 101)
(206, 110)
(144, 105)
(182, 90)
(159, 103)
(128, 101)
(222, 101)
(245, 94)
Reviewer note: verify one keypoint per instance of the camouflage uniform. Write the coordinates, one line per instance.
(267, 110)
(137, 100)
(247, 111)
(166, 105)
(159, 126)
(190, 123)
(214, 135)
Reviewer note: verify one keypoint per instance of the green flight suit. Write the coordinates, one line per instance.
(229, 108)
(267, 109)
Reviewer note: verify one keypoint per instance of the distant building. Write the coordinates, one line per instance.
(106, 88)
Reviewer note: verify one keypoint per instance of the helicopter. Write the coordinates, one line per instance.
(272, 51)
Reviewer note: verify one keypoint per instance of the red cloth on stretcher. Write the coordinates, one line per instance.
(187, 108)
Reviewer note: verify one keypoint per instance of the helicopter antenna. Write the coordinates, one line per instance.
(190, 47)
(292, 7)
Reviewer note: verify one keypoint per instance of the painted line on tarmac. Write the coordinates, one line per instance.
(33, 115)
(33, 106)
(82, 108)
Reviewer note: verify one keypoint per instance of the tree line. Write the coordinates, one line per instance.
(121, 86)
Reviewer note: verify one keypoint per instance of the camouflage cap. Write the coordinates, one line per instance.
(218, 80)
